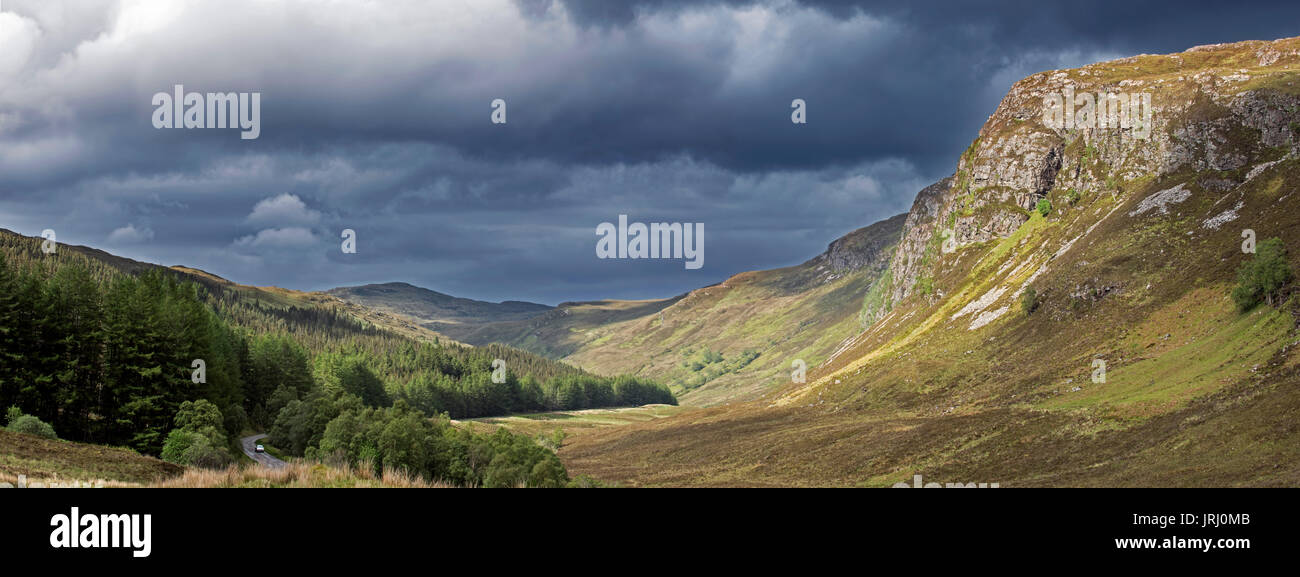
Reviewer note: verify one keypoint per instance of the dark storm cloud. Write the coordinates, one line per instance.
(375, 117)
(1120, 24)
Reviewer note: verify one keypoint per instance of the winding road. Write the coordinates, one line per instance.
(250, 443)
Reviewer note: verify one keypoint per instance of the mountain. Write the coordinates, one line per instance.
(553, 332)
(722, 343)
(1060, 312)
(736, 340)
(255, 307)
(435, 310)
(1074, 306)
(413, 362)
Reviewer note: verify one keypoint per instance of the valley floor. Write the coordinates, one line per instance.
(1217, 405)
(1244, 435)
(572, 421)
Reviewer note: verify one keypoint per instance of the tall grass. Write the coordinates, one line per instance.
(60, 481)
(297, 474)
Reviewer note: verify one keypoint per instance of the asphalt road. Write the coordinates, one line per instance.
(250, 443)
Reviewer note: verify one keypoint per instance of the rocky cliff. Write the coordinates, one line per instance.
(1213, 108)
(1130, 363)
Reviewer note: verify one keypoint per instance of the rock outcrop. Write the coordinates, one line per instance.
(917, 230)
(1213, 108)
(867, 247)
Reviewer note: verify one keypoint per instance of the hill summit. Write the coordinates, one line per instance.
(1059, 312)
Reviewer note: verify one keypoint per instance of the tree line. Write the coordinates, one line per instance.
(105, 353)
(111, 363)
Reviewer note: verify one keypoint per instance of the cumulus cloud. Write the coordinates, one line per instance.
(129, 234)
(18, 37)
(277, 238)
(284, 209)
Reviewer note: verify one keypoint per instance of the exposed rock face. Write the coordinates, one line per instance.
(1214, 108)
(917, 230)
(862, 248)
(866, 249)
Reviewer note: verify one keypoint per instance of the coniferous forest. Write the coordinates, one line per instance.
(114, 352)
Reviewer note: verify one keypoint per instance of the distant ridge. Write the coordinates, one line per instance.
(428, 306)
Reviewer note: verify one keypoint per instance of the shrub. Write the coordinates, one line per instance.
(925, 285)
(1044, 207)
(199, 415)
(553, 441)
(1029, 301)
(1262, 278)
(1072, 197)
(548, 474)
(199, 437)
(585, 482)
(193, 449)
(178, 441)
(204, 454)
(30, 425)
(12, 414)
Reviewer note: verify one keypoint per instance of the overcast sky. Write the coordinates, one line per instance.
(376, 117)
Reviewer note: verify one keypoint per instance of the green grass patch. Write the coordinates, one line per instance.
(1223, 349)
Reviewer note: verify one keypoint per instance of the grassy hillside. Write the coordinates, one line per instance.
(721, 343)
(261, 308)
(431, 307)
(321, 322)
(47, 460)
(560, 331)
(1133, 266)
(274, 308)
(735, 341)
